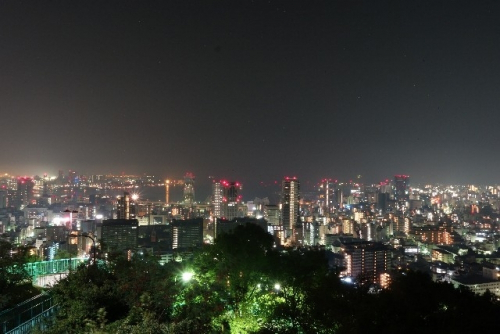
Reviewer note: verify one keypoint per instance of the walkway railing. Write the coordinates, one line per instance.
(24, 316)
(43, 268)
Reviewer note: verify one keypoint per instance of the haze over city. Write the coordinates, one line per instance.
(252, 90)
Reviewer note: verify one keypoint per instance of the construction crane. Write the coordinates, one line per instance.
(187, 182)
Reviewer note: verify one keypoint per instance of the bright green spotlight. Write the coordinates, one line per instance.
(186, 277)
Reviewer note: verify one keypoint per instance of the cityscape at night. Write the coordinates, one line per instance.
(368, 233)
(188, 166)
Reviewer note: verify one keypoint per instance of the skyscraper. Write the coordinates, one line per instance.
(24, 193)
(366, 258)
(226, 199)
(125, 207)
(290, 202)
(327, 196)
(187, 233)
(217, 199)
(188, 189)
(119, 234)
(230, 199)
(401, 187)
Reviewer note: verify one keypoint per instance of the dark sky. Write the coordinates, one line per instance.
(252, 90)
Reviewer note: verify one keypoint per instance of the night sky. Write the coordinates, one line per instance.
(252, 90)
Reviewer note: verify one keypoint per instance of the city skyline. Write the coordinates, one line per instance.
(252, 91)
(204, 187)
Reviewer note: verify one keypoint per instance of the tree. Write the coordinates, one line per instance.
(81, 294)
(15, 282)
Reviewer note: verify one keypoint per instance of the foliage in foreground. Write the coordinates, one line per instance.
(15, 282)
(242, 285)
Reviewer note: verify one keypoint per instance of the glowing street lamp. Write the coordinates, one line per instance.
(277, 287)
(187, 276)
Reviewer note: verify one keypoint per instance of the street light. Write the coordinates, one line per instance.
(187, 276)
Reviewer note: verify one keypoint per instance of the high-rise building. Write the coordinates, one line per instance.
(401, 187)
(24, 193)
(226, 199)
(125, 207)
(327, 196)
(290, 202)
(365, 260)
(119, 234)
(217, 195)
(187, 233)
(189, 189)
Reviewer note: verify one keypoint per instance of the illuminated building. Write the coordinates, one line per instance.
(401, 224)
(401, 187)
(385, 280)
(229, 200)
(125, 207)
(367, 259)
(119, 234)
(442, 256)
(478, 284)
(187, 234)
(347, 226)
(188, 189)
(290, 201)
(327, 196)
(24, 193)
(272, 214)
(432, 235)
(217, 195)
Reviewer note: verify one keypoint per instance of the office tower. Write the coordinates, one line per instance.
(217, 195)
(125, 207)
(327, 196)
(187, 234)
(24, 193)
(227, 198)
(290, 202)
(119, 234)
(189, 188)
(401, 187)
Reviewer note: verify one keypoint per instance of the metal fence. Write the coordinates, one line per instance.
(24, 316)
(42, 268)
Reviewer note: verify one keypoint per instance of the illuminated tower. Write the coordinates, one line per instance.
(217, 199)
(125, 207)
(290, 202)
(230, 199)
(24, 193)
(401, 187)
(189, 189)
(327, 195)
